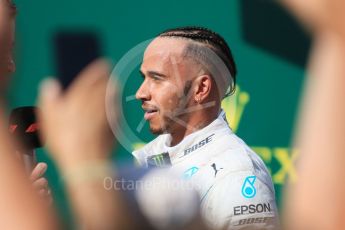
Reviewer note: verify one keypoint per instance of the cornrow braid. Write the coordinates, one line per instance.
(212, 40)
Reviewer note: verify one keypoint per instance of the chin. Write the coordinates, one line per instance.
(156, 129)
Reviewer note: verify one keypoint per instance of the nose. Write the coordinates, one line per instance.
(143, 93)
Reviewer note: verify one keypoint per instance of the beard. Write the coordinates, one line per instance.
(170, 122)
(161, 127)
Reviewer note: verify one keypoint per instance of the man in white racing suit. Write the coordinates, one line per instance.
(234, 185)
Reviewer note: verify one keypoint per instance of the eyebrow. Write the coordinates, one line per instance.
(151, 72)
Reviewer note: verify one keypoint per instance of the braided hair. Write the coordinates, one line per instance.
(213, 41)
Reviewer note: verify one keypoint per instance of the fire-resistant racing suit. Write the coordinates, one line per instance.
(233, 183)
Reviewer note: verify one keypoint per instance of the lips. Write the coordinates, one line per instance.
(150, 112)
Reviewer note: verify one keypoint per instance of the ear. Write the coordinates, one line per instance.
(203, 86)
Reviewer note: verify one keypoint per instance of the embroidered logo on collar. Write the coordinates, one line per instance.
(198, 145)
(160, 160)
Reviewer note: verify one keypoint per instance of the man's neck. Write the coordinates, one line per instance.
(200, 121)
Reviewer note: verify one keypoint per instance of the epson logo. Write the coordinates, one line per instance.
(252, 208)
(198, 145)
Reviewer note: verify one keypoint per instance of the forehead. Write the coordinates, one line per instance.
(163, 51)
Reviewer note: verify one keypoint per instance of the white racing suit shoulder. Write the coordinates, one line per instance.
(237, 193)
(233, 183)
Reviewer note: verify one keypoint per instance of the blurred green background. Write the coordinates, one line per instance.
(269, 56)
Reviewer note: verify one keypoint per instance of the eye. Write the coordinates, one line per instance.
(156, 77)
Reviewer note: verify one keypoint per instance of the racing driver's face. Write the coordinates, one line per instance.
(168, 78)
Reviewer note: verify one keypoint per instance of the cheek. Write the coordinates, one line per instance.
(167, 98)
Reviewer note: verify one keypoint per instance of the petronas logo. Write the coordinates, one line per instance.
(234, 107)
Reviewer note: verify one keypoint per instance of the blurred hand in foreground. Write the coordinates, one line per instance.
(319, 15)
(74, 122)
(40, 183)
(18, 199)
(79, 138)
(321, 128)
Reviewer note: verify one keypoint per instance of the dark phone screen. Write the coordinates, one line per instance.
(73, 52)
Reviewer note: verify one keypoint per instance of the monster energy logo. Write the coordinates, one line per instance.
(160, 160)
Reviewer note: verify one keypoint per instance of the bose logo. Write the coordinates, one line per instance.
(198, 145)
